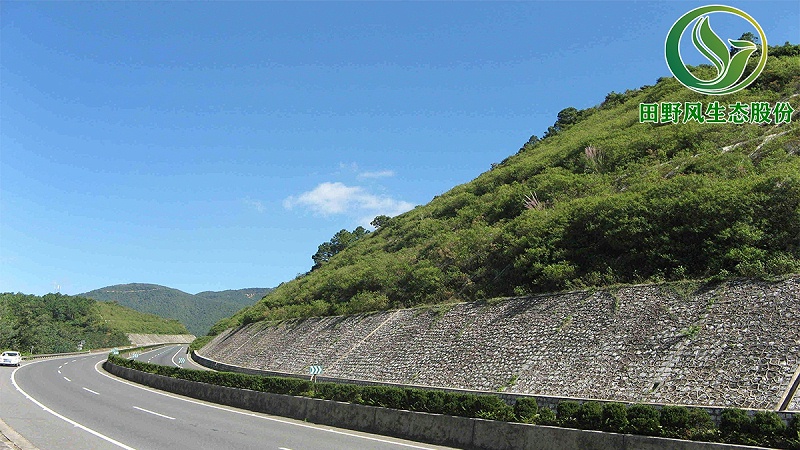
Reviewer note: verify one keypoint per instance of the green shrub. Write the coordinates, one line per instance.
(339, 392)
(427, 401)
(385, 396)
(733, 421)
(590, 416)
(567, 413)
(483, 406)
(674, 421)
(546, 417)
(793, 430)
(526, 410)
(615, 418)
(735, 426)
(793, 434)
(766, 427)
(701, 427)
(643, 419)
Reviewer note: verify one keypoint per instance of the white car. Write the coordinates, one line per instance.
(10, 359)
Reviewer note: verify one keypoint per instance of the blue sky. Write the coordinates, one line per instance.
(215, 145)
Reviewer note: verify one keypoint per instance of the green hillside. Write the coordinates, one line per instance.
(57, 323)
(601, 199)
(197, 312)
(240, 297)
(129, 320)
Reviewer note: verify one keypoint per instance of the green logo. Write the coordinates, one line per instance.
(731, 63)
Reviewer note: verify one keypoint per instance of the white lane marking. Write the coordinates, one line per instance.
(93, 392)
(176, 354)
(67, 379)
(283, 448)
(70, 421)
(59, 371)
(154, 413)
(60, 366)
(258, 416)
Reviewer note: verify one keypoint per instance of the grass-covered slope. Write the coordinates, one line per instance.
(56, 323)
(197, 312)
(602, 199)
(238, 297)
(129, 320)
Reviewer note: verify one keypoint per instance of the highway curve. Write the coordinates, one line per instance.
(72, 403)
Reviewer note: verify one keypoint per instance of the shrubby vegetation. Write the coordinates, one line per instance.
(57, 323)
(763, 428)
(601, 199)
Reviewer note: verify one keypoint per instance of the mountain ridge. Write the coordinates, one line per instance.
(196, 311)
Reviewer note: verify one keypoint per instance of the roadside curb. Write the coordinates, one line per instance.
(14, 438)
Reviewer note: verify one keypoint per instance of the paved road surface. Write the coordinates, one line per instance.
(73, 403)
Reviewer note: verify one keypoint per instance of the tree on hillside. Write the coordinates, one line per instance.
(380, 221)
(340, 241)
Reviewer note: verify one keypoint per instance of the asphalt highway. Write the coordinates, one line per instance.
(72, 403)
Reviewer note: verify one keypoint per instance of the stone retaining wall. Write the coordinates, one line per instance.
(732, 344)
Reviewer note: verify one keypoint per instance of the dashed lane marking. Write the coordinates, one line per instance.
(154, 413)
(68, 420)
(259, 416)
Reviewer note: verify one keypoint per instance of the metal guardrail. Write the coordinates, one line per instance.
(56, 355)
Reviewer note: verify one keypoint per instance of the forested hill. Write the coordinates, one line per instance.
(57, 323)
(197, 312)
(600, 199)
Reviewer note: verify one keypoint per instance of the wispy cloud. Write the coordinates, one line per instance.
(378, 174)
(255, 204)
(337, 198)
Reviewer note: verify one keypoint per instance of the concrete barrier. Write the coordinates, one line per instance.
(461, 432)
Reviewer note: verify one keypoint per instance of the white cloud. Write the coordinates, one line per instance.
(378, 174)
(255, 204)
(348, 166)
(338, 198)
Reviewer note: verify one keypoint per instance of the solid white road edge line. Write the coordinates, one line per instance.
(70, 421)
(303, 425)
(154, 413)
(176, 354)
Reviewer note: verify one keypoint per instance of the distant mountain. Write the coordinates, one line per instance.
(197, 312)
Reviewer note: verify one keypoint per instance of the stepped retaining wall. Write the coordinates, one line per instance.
(731, 344)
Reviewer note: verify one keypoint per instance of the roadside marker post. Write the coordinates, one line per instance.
(314, 371)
